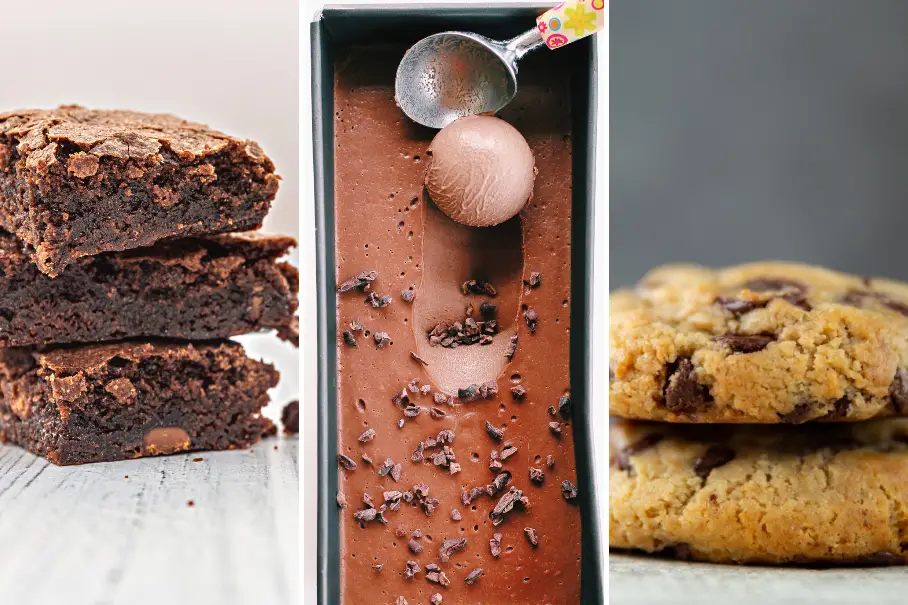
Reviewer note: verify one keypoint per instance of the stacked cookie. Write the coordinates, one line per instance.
(122, 278)
(757, 416)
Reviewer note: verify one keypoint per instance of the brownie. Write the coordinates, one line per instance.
(114, 401)
(192, 288)
(75, 182)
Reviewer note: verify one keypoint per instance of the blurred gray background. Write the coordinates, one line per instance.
(746, 130)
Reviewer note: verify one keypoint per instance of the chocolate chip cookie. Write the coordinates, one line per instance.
(758, 343)
(818, 494)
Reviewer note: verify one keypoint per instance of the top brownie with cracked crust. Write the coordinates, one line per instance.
(76, 182)
(766, 342)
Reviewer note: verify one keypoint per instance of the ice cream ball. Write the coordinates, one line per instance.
(480, 171)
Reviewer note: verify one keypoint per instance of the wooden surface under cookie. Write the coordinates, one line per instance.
(124, 532)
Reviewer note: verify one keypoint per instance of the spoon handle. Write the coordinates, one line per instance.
(570, 21)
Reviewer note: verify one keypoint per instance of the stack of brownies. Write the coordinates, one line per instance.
(763, 416)
(122, 280)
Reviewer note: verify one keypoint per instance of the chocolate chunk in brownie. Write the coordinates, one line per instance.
(183, 396)
(75, 182)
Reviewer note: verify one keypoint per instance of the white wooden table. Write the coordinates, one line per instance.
(646, 581)
(92, 536)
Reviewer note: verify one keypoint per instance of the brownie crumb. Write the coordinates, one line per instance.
(360, 281)
(418, 358)
(532, 319)
(349, 339)
(411, 570)
(346, 462)
(568, 490)
(449, 547)
(512, 347)
(368, 435)
(495, 545)
(473, 576)
(408, 295)
(381, 339)
(531, 535)
(415, 547)
(290, 417)
(455, 515)
(535, 280)
(478, 286)
(537, 476)
(518, 392)
(494, 432)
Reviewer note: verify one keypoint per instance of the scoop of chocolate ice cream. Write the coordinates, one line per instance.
(480, 171)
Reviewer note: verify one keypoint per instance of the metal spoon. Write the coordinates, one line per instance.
(454, 74)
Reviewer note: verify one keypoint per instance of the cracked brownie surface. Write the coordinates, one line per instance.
(832, 494)
(758, 343)
(75, 182)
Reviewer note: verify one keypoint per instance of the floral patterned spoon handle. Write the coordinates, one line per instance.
(571, 21)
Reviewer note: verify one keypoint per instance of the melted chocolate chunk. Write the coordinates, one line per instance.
(531, 535)
(683, 395)
(740, 343)
(736, 306)
(473, 576)
(714, 457)
(449, 547)
(898, 391)
(773, 284)
(839, 409)
(800, 413)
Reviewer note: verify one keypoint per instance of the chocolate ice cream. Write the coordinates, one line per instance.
(456, 454)
(480, 171)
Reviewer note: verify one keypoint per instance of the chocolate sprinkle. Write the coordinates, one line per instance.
(532, 538)
(449, 547)
(494, 432)
(473, 576)
(495, 545)
(532, 319)
(568, 490)
(346, 462)
(537, 476)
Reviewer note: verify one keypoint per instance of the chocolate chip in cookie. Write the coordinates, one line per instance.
(743, 343)
(798, 414)
(714, 457)
(898, 391)
(623, 459)
(774, 284)
(683, 395)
